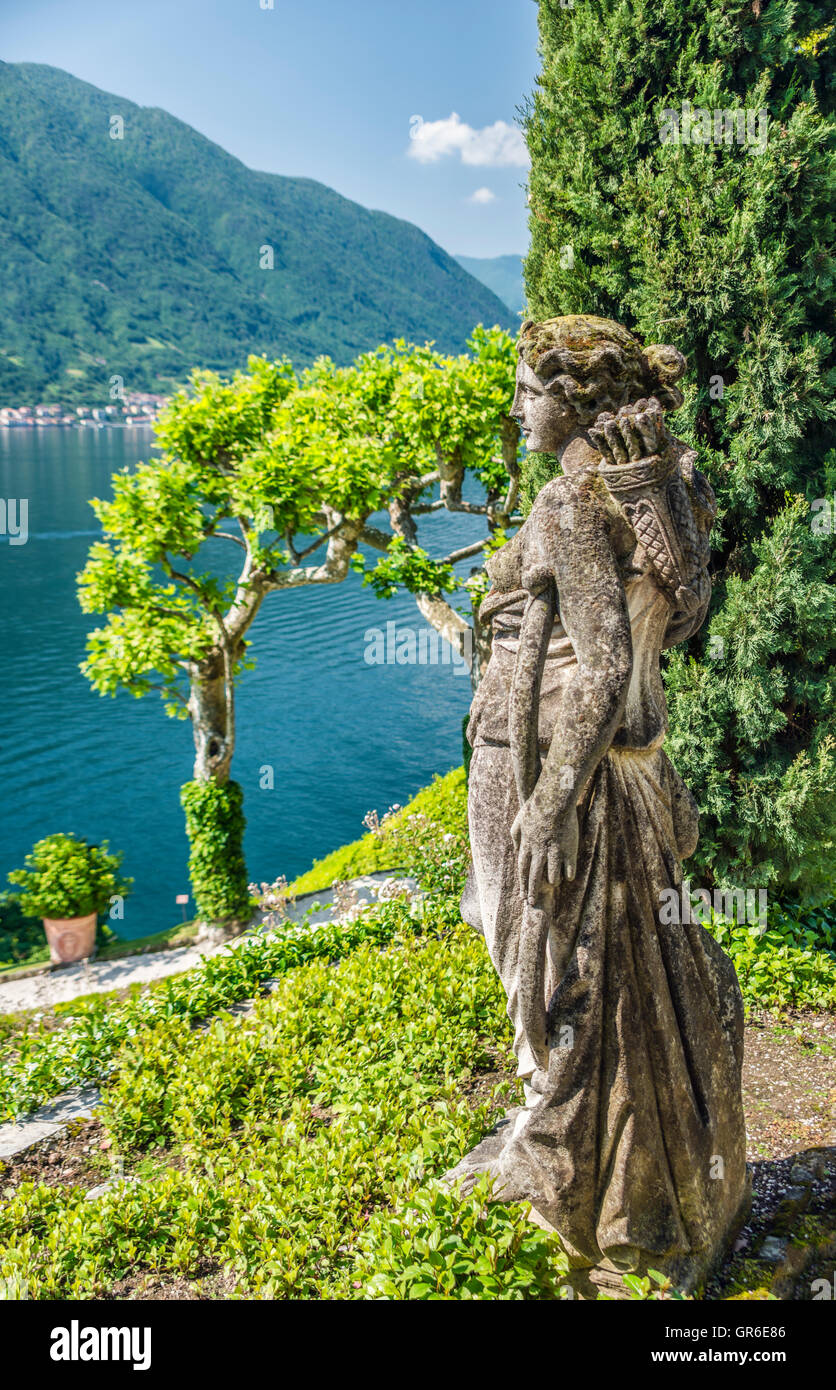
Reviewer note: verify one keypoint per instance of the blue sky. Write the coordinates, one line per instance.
(329, 89)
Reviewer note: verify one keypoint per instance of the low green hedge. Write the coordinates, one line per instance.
(39, 1062)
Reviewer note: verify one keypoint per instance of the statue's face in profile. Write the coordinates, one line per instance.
(546, 420)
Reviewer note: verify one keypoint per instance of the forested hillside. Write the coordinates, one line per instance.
(147, 255)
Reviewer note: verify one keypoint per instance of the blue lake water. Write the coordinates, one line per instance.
(342, 736)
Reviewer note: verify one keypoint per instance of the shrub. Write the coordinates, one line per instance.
(67, 877)
(342, 1094)
(37, 1064)
(788, 962)
(215, 827)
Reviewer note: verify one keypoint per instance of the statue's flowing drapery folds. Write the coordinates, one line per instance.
(628, 1031)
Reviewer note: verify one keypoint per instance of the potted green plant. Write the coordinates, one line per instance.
(68, 882)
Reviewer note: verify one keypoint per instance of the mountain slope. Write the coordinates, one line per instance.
(502, 274)
(141, 256)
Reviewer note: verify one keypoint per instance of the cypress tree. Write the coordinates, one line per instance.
(683, 178)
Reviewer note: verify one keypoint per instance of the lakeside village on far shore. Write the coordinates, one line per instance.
(133, 408)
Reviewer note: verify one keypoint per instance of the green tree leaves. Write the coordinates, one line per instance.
(267, 481)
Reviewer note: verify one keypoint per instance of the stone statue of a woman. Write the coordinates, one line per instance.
(628, 1032)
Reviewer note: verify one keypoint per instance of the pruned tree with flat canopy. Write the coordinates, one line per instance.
(269, 482)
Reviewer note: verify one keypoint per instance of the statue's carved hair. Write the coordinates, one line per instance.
(599, 365)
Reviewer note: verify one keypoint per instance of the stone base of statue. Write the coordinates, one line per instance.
(687, 1272)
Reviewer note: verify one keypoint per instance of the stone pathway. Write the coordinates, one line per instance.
(78, 1104)
(52, 987)
(97, 977)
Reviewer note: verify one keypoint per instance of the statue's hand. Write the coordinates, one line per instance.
(636, 432)
(547, 848)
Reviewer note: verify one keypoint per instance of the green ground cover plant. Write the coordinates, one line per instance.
(274, 1138)
(790, 963)
(36, 1064)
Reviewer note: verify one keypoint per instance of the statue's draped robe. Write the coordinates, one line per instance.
(635, 1150)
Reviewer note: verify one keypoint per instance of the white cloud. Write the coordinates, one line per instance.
(495, 145)
(482, 195)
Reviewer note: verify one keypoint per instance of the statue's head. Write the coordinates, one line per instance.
(572, 368)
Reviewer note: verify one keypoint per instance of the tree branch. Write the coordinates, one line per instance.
(226, 536)
(450, 624)
(164, 612)
(377, 539)
(170, 692)
(343, 537)
(309, 549)
(465, 553)
(184, 579)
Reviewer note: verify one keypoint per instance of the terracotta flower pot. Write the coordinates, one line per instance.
(71, 938)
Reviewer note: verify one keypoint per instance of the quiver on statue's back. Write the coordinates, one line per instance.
(671, 508)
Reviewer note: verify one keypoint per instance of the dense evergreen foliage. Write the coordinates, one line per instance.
(723, 246)
(215, 827)
(143, 256)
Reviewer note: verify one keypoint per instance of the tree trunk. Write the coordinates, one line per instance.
(211, 707)
(451, 474)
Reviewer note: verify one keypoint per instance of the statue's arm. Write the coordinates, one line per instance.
(574, 535)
